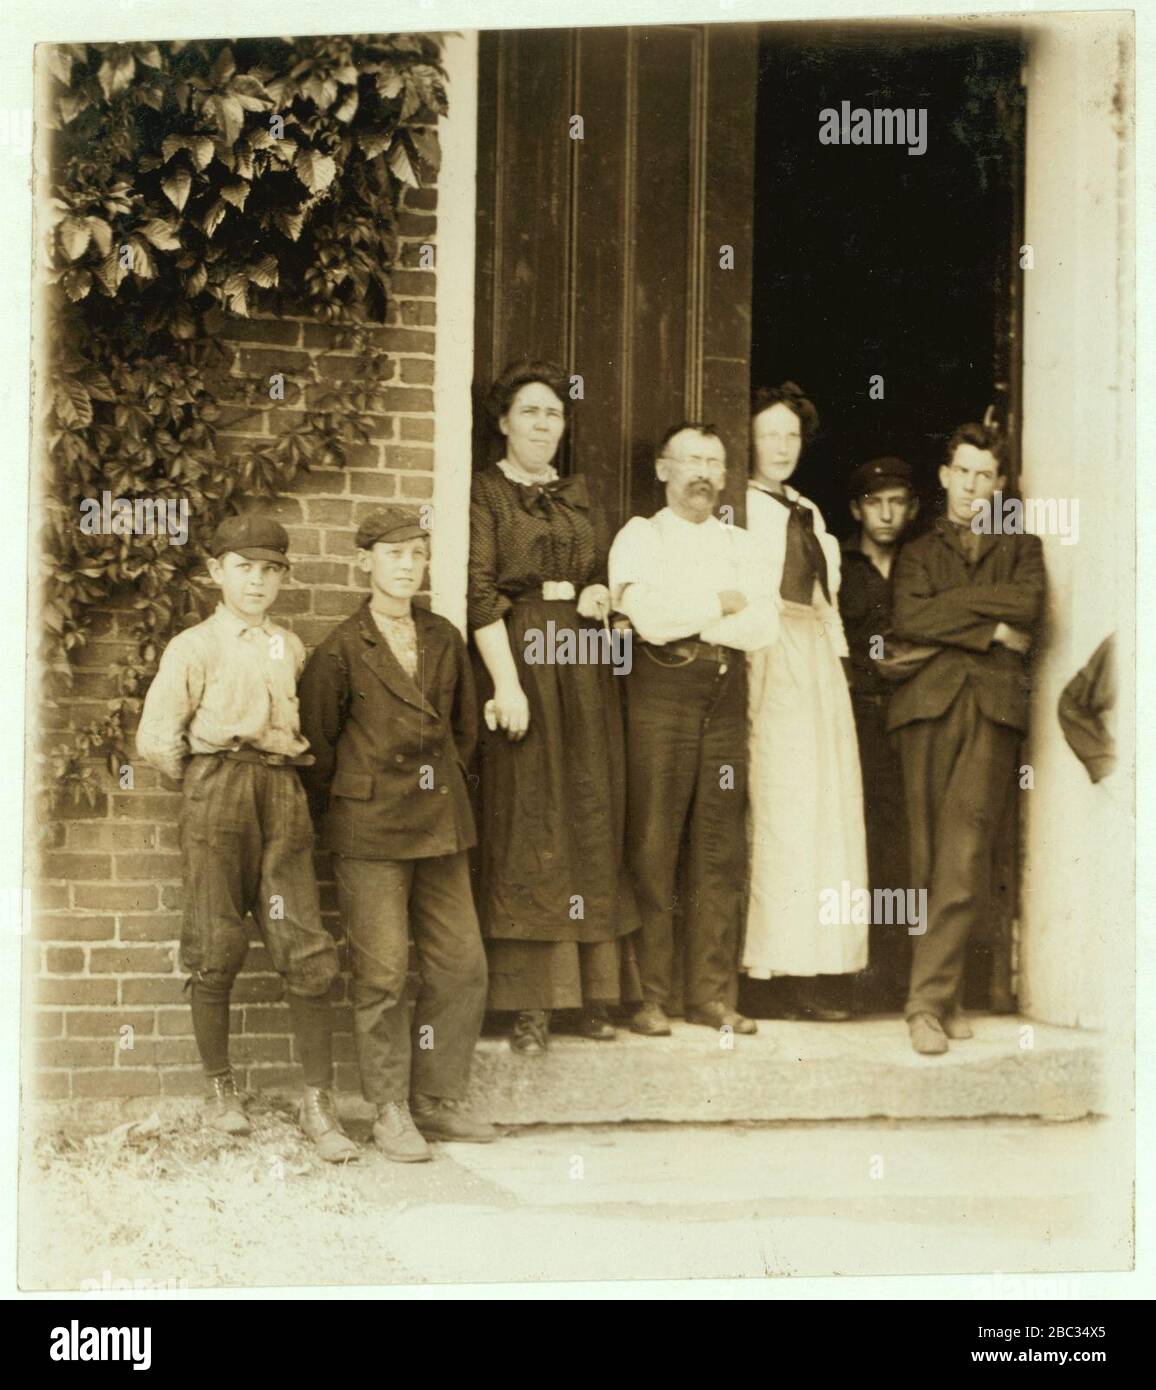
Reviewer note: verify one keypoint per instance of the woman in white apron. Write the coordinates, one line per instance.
(808, 845)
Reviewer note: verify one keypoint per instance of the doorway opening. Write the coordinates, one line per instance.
(872, 262)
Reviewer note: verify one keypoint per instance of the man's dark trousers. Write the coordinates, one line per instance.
(958, 771)
(686, 751)
(885, 814)
(381, 900)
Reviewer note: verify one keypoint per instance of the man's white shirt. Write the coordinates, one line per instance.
(666, 574)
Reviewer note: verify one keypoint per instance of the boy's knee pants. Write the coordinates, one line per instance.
(247, 844)
(381, 900)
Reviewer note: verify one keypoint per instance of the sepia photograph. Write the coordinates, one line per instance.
(580, 669)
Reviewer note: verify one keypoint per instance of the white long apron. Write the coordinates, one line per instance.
(806, 805)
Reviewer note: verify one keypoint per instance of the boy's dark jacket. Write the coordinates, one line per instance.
(377, 736)
(943, 599)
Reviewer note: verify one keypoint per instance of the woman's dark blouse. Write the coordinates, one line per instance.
(523, 536)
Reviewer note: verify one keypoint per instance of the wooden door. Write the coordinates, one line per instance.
(614, 167)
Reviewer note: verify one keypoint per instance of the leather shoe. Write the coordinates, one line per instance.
(396, 1136)
(224, 1109)
(450, 1120)
(651, 1021)
(717, 1015)
(957, 1027)
(811, 1004)
(927, 1035)
(317, 1116)
(531, 1032)
(596, 1024)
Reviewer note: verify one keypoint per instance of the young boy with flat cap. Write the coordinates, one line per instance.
(221, 718)
(387, 703)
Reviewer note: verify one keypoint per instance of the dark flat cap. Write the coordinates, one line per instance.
(392, 525)
(254, 536)
(884, 472)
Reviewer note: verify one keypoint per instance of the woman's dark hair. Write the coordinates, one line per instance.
(795, 399)
(519, 374)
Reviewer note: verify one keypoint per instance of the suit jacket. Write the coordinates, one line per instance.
(943, 598)
(391, 752)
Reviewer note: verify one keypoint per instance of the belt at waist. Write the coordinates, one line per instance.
(689, 649)
(246, 754)
(552, 591)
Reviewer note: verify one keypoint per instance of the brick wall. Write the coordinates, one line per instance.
(102, 957)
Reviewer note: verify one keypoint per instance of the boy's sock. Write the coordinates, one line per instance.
(210, 1005)
(312, 1020)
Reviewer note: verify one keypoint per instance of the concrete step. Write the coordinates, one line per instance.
(794, 1071)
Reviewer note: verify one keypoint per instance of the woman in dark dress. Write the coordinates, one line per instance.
(553, 898)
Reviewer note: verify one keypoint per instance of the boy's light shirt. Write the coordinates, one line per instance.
(221, 685)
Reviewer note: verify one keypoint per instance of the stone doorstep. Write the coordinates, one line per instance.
(788, 1072)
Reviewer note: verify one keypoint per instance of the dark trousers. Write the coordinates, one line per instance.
(247, 846)
(888, 860)
(686, 758)
(957, 771)
(380, 901)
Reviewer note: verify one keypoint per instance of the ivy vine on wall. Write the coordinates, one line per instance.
(190, 184)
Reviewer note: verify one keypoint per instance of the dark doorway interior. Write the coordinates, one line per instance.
(870, 260)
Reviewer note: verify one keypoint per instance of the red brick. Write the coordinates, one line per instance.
(101, 1023)
(421, 199)
(76, 1052)
(340, 543)
(152, 1052)
(177, 1022)
(291, 601)
(52, 1085)
(399, 457)
(183, 1081)
(110, 834)
(329, 511)
(168, 836)
(341, 602)
(407, 340)
(381, 427)
(270, 1078)
(417, 429)
(248, 1048)
(321, 482)
(314, 631)
(48, 896)
(366, 484)
(74, 927)
(120, 898)
(63, 960)
(303, 542)
(47, 1023)
(147, 805)
(322, 572)
(416, 485)
(151, 989)
(152, 868)
(324, 335)
(346, 1077)
(281, 331)
(115, 1082)
(71, 867)
(164, 926)
(135, 960)
(257, 989)
(411, 400)
(84, 991)
(407, 284)
(421, 312)
(172, 896)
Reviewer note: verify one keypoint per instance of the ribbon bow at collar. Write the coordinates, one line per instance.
(811, 543)
(542, 497)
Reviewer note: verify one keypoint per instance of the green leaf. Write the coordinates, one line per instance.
(229, 115)
(214, 217)
(264, 273)
(177, 186)
(148, 53)
(161, 234)
(73, 407)
(223, 68)
(77, 283)
(116, 73)
(235, 192)
(101, 234)
(401, 164)
(316, 171)
(75, 234)
(374, 142)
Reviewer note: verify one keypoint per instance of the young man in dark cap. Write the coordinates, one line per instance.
(221, 718)
(387, 702)
(884, 504)
(977, 597)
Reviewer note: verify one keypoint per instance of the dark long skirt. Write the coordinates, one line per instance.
(554, 897)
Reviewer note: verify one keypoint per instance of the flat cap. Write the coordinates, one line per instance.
(254, 536)
(884, 472)
(390, 524)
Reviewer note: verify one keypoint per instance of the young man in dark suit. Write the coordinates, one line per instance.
(978, 598)
(387, 703)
